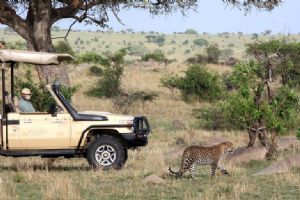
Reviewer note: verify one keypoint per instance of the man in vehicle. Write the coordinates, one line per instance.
(24, 103)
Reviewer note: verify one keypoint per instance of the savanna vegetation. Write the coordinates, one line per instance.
(186, 102)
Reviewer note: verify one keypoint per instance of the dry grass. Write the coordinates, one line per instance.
(72, 179)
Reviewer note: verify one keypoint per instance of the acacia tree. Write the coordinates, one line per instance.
(265, 101)
(33, 19)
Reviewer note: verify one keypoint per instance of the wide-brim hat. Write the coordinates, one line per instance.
(26, 91)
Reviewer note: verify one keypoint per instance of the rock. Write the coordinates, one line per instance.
(154, 179)
(286, 142)
(214, 141)
(281, 166)
(245, 154)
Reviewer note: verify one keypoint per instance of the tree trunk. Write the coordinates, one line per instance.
(39, 16)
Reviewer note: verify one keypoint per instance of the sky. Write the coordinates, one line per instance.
(211, 16)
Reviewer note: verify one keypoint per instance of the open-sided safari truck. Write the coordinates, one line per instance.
(101, 137)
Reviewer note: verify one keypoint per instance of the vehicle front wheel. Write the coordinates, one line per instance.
(107, 152)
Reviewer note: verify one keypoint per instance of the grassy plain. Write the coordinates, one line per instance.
(32, 178)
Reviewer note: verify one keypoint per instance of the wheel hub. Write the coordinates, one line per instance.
(105, 155)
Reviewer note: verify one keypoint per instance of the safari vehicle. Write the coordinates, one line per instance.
(101, 137)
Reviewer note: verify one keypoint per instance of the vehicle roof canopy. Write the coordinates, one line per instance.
(31, 57)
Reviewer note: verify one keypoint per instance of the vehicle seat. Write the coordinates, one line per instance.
(9, 107)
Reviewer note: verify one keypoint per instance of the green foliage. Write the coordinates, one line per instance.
(110, 85)
(156, 55)
(191, 31)
(92, 57)
(243, 109)
(136, 50)
(289, 62)
(18, 45)
(197, 59)
(64, 47)
(197, 84)
(226, 53)
(157, 39)
(201, 42)
(96, 71)
(213, 53)
(212, 117)
(125, 101)
(41, 99)
(170, 82)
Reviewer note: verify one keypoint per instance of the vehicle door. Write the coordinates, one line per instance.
(45, 131)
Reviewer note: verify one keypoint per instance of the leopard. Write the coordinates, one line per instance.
(199, 155)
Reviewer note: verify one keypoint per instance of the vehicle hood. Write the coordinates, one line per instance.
(107, 114)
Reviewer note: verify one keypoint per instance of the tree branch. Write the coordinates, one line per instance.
(9, 17)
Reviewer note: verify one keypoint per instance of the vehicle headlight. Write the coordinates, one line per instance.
(126, 122)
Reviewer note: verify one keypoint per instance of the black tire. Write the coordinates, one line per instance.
(107, 152)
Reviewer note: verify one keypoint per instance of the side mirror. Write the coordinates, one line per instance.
(53, 110)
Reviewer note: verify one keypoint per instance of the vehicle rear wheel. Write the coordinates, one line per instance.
(107, 152)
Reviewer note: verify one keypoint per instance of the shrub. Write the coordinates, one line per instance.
(201, 42)
(157, 55)
(157, 39)
(191, 31)
(110, 85)
(170, 82)
(213, 53)
(185, 42)
(197, 59)
(197, 84)
(211, 118)
(125, 101)
(225, 53)
(91, 57)
(18, 45)
(96, 71)
(137, 50)
(64, 47)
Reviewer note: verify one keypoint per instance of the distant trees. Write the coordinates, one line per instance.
(191, 31)
(157, 39)
(201, 42)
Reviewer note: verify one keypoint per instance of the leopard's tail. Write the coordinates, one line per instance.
(178, 174)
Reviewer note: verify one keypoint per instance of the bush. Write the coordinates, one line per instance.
(197, 59)
(18, 45)
(125, 101)
(136, 50)
(91, 57)
(64, 47)
(201, 42)
(41, 99)
(110, 85)
(191, 31)
(213, 53)
(197, 84)
(211, 118)
(96, 71)
(157, 55)
(226, 53)
(170, 82)
(157, 39)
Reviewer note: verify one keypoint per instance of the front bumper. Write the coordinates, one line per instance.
(141, 130)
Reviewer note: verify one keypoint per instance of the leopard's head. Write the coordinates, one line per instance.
(227, 147)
